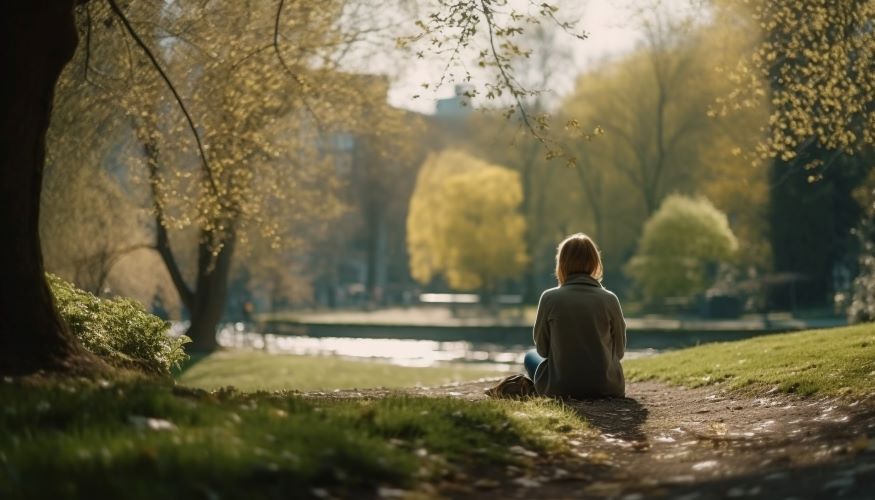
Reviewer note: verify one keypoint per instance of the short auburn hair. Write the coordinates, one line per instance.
(578, 254)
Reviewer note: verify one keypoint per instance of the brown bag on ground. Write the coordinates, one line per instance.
(515, 387)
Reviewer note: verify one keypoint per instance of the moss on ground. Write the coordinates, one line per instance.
(833, 362)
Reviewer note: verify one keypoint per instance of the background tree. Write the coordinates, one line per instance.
(88, 223)
(544, 68)
(40, 38)
(464, 223)
(862, 293)
(680, 247)
(379, 184)
(814, 64)
(638, 127)
(735, 180)
(645, 103)
(261, 166)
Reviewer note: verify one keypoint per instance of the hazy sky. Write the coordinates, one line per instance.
(611, 32)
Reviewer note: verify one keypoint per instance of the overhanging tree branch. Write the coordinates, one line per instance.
(285, 66)
(508, 81)
(139, 41)
(87, 40)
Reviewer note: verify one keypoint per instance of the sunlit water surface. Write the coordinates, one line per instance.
(404, 352)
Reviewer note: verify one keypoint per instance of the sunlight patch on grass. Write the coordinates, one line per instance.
(836, 361)
(252, 370)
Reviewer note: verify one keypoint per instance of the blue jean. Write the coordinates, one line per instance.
(531, 362)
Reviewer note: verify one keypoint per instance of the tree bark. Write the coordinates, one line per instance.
(162, 238)
(210, 292)
(205, 301)
(39, 38)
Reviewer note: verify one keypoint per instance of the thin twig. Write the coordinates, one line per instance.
(563, 25)
(288, 70)
(87, 39)
(508, 81)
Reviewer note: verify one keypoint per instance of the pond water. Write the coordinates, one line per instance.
(405, 352)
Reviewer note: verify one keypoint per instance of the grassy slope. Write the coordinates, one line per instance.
(81, 439)
(838, 361)
(75, 438)
(248, 370)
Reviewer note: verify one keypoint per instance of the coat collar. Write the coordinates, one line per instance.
(581, 279)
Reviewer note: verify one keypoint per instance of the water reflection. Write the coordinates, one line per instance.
(404, 352)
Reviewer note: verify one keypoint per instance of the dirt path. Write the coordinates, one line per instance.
(692, 444)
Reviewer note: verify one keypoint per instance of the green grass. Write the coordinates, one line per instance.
(253, 370)
(85, 439)
(837, 361)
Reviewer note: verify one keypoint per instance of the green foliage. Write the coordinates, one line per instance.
(680, 241)
(148, 440)
(814, 61)
(251, 371)
(118, 330)
(648, 114)
(464, 222)
(831, 362)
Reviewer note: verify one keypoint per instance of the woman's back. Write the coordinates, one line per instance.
(581, 332)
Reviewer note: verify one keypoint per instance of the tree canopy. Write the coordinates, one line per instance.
(814, 64)
(679, 241)
(464, 223)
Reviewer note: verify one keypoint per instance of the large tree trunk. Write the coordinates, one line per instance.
(39, 38)
(206, 301)
(210, 292)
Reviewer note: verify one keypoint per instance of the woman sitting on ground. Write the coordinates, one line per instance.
(580, 333)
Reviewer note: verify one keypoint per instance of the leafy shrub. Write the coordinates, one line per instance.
(118, 330)
(683, 240)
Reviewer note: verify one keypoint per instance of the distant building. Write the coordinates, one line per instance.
(458, 106)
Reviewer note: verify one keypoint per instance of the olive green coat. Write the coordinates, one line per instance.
(581, 331)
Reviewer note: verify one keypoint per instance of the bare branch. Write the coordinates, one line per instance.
(87, 39)
(490, 21)
(550, 12)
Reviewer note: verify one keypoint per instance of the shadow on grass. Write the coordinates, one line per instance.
(617, 418)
